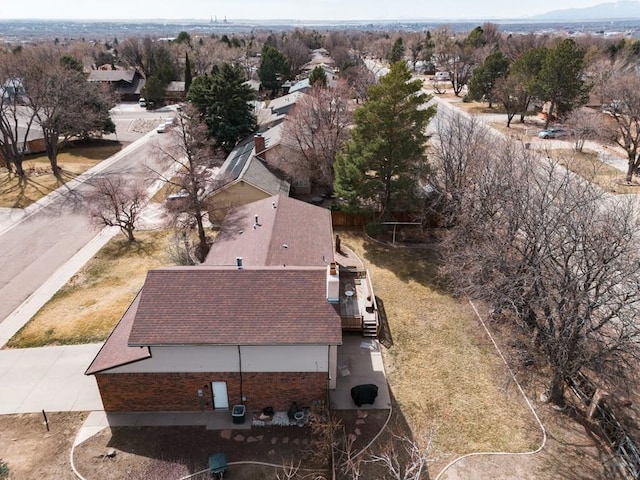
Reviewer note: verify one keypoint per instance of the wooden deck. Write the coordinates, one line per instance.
(357, 302)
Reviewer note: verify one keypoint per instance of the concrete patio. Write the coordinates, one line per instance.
(359, 362)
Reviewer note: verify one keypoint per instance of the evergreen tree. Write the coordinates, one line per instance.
(560, 81)
(318, 76)
(222, 98)
(188, 78)
(397, 51)
(380, 166)
(273, 68)
(525, 69)
(484, 77)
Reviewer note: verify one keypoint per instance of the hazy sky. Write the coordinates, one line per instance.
(289, 9)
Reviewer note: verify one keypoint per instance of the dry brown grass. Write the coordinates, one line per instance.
(586, 165)
(477, 108)
(16, 192)
(443, 370)
(89, 306)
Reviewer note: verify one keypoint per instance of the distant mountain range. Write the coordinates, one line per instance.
(622, 10)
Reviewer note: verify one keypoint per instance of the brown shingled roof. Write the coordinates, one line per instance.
(220, 306)
(304, 228)
(115, 351)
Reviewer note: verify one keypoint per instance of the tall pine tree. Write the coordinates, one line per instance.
(223, 101)
(381, 165)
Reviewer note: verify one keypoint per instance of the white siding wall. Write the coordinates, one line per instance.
(291, 358)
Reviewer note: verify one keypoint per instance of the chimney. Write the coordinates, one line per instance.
(239, 263)
(333, 283)
(259, 143)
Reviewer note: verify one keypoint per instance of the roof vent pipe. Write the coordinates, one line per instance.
(257, 223)
(239, 263)
(273, 204)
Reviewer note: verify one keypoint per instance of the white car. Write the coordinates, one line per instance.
(161, 128)
(552, 133)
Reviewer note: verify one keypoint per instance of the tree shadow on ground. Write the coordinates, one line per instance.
(572, 444)
(415, 263)
(24, 189)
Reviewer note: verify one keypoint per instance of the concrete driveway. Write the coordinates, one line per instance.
(49, 378)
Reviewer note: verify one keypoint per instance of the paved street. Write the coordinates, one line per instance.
(44, 240)
(44, 245)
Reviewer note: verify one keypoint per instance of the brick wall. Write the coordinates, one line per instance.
(148, 392)
(144, 392)
(278, 390)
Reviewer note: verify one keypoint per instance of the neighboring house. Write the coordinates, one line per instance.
(259, 323)
(127, 84)
(11, 89)
(276, 110)
(255, 85)
(275, 150)
(301, 86)
(330, 72)
(35, 141)
(245, 178)
(175, 92)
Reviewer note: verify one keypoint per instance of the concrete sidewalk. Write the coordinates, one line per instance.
(21, 315)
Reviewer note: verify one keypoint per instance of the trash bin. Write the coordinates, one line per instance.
(238, 413)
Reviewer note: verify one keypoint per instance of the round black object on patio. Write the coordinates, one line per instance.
(365, 393)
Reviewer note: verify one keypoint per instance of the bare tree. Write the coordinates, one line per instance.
(404, 458)
(623, 104)
(289, 470)
(513, 94)
(546, 250)
(65, 105)
(360, 78)
(459, 147)
(115, 202)
(16, 118)
(585, 124)
(415, 43)
(317, 129)
(192, 159)
(454, 56)
(297, 54)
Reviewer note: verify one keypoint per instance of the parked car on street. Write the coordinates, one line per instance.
(552, 133)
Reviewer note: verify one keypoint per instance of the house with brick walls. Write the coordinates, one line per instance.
(258, 323)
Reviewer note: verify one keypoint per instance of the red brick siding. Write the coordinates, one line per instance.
(148, 392)
(37, 145)
(144, 392)
(34, 146)
(279, 389)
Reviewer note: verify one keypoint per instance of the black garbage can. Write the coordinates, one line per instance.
(238, 413)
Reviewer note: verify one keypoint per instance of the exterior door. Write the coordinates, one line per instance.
(220, 397)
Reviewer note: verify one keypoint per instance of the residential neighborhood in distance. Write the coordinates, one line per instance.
(327, 248)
